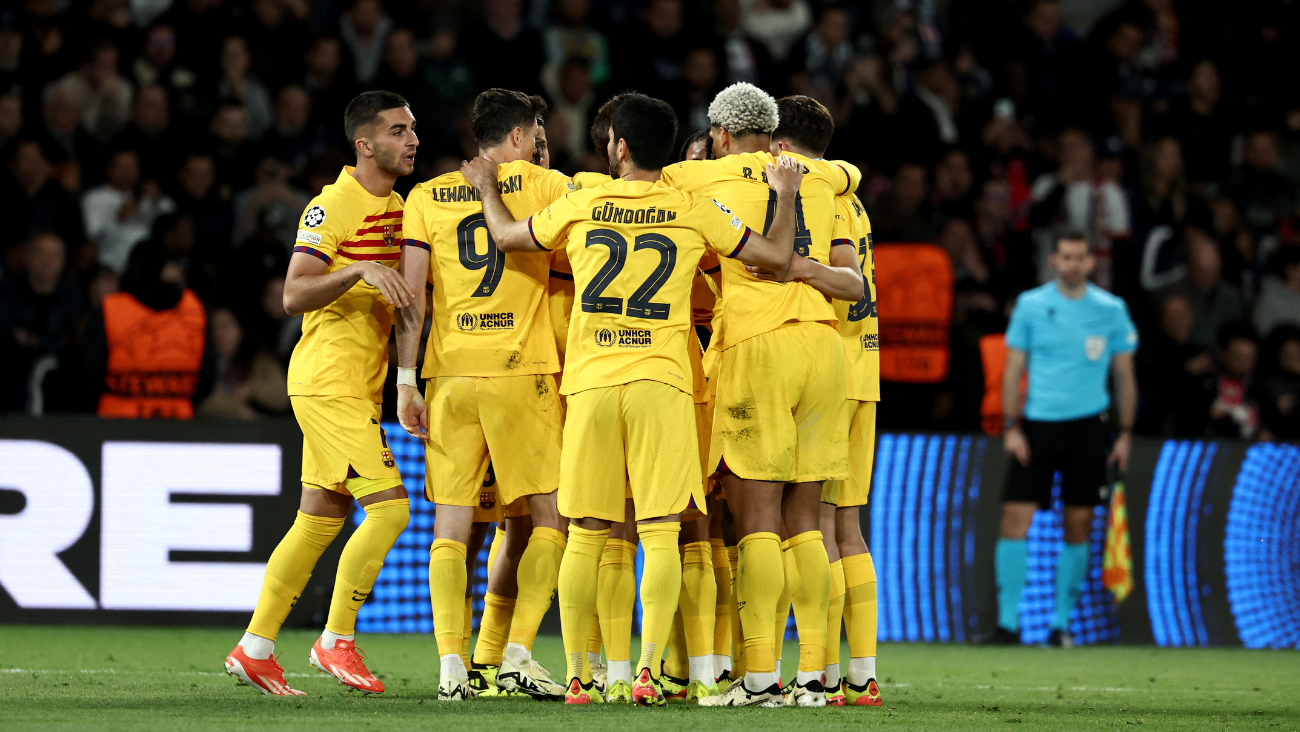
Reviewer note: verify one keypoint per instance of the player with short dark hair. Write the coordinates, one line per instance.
(1070, 335)
(634, 244)
(806, 128)
(491, 364)
(343, 279)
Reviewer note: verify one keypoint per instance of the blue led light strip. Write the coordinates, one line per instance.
(923, 498)
(1172, 581)
(1261, 548)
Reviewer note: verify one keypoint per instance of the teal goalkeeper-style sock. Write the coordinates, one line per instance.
(1010, 565)
(1071, 570)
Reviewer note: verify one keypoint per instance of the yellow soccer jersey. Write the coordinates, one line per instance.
(344, 346)
(634, 248)
(491, 316)
(739, 181)
(584, 180)
(859, 326)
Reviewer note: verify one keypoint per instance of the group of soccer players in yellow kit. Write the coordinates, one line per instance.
(562, 358)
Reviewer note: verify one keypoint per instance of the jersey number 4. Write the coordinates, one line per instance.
(494, 261)
(640, 304)
(866, 307)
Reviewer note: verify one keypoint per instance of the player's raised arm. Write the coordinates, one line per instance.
(841, 280)
(309, 285)
(775, 251)
(508, 234)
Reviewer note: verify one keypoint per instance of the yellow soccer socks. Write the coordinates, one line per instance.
(363, 557)
(468, 628)
(698, 603)
(661, 585)
(498, 538)
(286, 575)
(539, 570)
(615, 604)
(493, 629)
(760, 580)
(447, 581)
(737, 633)
(783, 605)
(810, 596)
(577, 590)
(721, 608)
(860, 616)
(834, 619)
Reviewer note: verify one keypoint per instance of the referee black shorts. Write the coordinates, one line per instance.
(1077, 447)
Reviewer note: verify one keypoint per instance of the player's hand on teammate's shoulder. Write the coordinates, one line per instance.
(479, 172)
(388, 281)
(785, 174)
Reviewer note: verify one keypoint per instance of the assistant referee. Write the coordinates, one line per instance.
(1069, 333)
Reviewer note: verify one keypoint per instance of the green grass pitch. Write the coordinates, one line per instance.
(65, 678)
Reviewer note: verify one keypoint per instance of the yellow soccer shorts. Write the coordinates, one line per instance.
(856, 489)
(344, 448)
(514, 419)
(640, 435)
(778, 414)
(490, 509)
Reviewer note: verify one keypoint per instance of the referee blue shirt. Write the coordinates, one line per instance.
(1068, 346)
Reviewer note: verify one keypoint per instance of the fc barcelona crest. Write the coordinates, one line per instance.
(487, 500)
(387, 457)
(389, 236)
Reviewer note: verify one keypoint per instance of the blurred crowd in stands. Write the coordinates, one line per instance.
(1168, 130)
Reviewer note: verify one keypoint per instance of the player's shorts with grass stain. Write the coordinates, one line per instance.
(640, 434)
(344, 448)
(779, 412)
(512, 421)
(855, 490)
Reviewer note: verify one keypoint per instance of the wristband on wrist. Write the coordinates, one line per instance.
(1008, 422)
(406, 377)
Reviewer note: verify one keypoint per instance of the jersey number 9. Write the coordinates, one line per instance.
(494, 260)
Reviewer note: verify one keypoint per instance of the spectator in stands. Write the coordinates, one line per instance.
(150, 134)
(401, 72)
(1214, 302)
(248, 382)
(232, 151)
(295, 137)
(271, 199)
(100, 92)
(777, 24)
(1234, 413)
(145, 355)
(120, 213)
(11, 51)
(497, 46)
(365, 29)
(1200, 123)
(198, 199)
(66, 142)
(239, 86)
(569, 115)
(329, 83)
(572, 38)
(824, 54)
(35, 201)
(1175, 376)
(1262, 195)
(1279, 385)
(928, 119)
(1279, 295)
(156, 66)
(41, 313)
(952, 185)
(903, 213)
(1077, 195)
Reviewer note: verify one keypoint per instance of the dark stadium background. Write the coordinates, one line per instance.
(1168, 130)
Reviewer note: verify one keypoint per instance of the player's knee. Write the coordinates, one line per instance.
(1016, 519)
